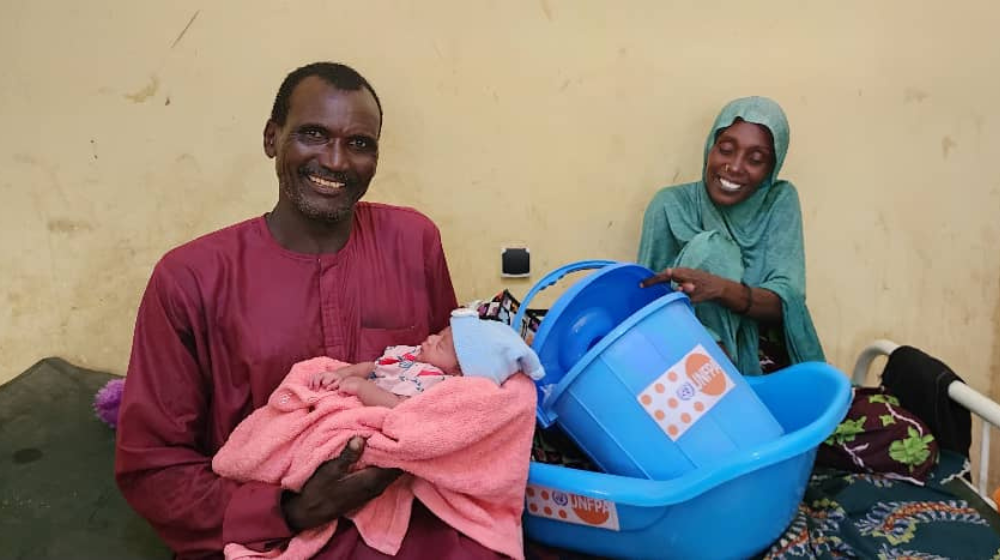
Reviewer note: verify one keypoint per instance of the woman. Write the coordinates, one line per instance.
(733, 241)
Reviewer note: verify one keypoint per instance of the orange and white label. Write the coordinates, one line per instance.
(542, 501)
(685, 392)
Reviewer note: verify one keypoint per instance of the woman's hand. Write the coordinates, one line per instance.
(697, 284)
(760, 304)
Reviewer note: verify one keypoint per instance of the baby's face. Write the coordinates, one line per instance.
(439, 351)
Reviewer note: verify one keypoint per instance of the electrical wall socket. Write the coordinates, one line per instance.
(515, 262)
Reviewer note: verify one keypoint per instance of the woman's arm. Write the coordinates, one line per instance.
(759, 304)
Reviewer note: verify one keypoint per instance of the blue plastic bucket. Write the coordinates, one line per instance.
(635, 379)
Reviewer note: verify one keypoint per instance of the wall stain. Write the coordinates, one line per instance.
(65, 225)
(185, 30)
(547, 9)
(49, 169)
(437, 49)
(188, 159)
(882, 224)
(564, 85)
(946, 145)
(26, 455)
(914, 95)
(146, 92)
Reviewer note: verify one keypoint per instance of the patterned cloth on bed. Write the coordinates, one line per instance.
(849, 515)
(878, 436)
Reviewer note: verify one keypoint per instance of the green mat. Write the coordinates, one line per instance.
(58, 497)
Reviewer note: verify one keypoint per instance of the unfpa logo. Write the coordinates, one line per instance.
(705, 374)
(570, 508)
(680, 396)
(589, 510)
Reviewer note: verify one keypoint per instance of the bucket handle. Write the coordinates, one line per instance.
(547, 418)
(550, 279)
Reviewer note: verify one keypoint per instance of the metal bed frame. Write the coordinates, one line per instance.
(978, 404)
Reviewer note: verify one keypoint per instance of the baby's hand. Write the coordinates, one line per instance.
(352, 385)
(327, 380)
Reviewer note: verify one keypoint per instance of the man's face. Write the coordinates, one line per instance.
(327, 150)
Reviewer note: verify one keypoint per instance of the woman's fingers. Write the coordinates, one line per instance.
(688, 280)
(681, 275)
(661, 278)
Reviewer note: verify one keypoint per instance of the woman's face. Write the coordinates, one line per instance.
(740, 160)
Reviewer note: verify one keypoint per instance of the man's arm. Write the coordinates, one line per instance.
(161, 465)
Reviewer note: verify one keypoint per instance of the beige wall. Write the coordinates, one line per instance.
(132, 126)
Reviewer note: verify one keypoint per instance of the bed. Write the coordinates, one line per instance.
(846, 515)
(58, 498)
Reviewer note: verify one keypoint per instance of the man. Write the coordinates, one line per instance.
(225, 316)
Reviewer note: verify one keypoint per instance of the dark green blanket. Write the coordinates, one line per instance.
(58, 497)
(846, 515)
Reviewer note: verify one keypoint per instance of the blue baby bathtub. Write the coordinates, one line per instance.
(731, 510)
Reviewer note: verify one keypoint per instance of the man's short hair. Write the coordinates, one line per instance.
(337, 75)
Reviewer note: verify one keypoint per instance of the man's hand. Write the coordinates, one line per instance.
(333, 490)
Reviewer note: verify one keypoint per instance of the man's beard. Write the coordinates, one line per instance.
(295, 190)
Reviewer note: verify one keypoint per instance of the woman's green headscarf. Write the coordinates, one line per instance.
(757, 241)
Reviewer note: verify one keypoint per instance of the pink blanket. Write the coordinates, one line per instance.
(466, 443)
